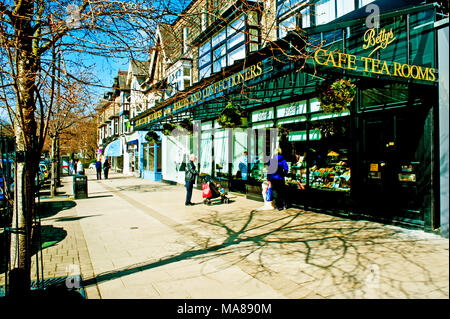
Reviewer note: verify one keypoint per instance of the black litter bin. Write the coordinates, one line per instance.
(80, 186)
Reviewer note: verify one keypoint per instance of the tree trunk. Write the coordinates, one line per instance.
(27, 152)
(54, 182)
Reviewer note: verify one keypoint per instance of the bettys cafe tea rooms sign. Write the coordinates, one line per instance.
(375, 42)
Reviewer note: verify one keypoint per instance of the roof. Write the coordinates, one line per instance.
(139, 67)
(168, 40)
(122, 80)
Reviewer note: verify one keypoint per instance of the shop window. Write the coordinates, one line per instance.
(151, 158)
(318, 156)
(206, 153)
(145, 156)
(385, 95)
(221, 152)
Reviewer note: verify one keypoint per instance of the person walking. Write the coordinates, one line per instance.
(71, 168)
(106, 167)
(243, 165)
(191, 173)
(80, 168)
(98, 167)
(277, 171)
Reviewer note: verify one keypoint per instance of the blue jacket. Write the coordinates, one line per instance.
(279, 170)
(98, 165)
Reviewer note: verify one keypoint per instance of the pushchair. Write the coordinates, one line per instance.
(212, 191)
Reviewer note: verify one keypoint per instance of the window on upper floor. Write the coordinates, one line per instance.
(293, 14)
(362, 3)
(329, 10)
(231, 43)
(179, 80)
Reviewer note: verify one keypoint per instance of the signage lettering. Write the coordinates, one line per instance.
(380, 41)
(245, 75)
(365, 64)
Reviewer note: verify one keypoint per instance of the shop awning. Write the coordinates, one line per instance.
(132, 142)
(114, 148)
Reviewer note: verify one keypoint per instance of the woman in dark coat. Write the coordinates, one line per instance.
(277, 171)
(106, 167)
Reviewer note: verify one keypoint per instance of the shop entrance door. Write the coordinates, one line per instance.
(395, 165)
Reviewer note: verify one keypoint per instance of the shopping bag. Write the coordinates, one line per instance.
(206, 190)
(269, 193)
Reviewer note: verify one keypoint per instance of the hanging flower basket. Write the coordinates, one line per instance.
(168, 128)
(152, 137)
(187, 125)
(232, 116)
(335, 97)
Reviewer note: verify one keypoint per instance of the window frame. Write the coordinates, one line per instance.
(233, 30)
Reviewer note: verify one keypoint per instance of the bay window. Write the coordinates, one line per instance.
(229, 45)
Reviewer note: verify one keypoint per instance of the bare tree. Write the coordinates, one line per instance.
(33, 33)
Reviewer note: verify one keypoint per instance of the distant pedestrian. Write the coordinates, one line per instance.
(80, 168)
(243, 165)
(191, 173)
(98, 167)
(71, 167)
(106, 167)
(277, 170)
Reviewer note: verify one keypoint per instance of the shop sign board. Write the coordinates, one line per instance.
(206, 93)
(374, 41)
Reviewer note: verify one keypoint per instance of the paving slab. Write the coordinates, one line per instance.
(133, 238)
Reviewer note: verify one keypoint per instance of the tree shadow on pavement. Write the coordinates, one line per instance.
(50, 236)
(51, 208)
(321, 255)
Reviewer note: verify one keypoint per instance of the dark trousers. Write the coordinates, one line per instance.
(105, 172)
(189, 187)
(99, 174)
(278, 191)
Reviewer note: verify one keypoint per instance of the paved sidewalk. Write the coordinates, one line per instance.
(135, 239)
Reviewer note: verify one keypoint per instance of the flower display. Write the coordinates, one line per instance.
(231, 116)
(152, 137)
(335, 97)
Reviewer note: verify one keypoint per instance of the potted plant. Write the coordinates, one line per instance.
(152, 137)
(335, 97)
(232, 116)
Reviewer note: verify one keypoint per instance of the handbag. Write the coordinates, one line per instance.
(206, 191)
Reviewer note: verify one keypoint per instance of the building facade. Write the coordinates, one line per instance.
(381, 157)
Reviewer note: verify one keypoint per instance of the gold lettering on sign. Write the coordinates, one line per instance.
(380, 41)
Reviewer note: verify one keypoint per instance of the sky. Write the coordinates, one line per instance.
(105, 69)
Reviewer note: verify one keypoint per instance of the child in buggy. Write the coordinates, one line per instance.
(212, 191)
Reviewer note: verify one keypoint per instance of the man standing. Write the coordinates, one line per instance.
(277, 170)
(191, 173)
(98, 167)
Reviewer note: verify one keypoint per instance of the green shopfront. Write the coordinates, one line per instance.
(376, 160)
